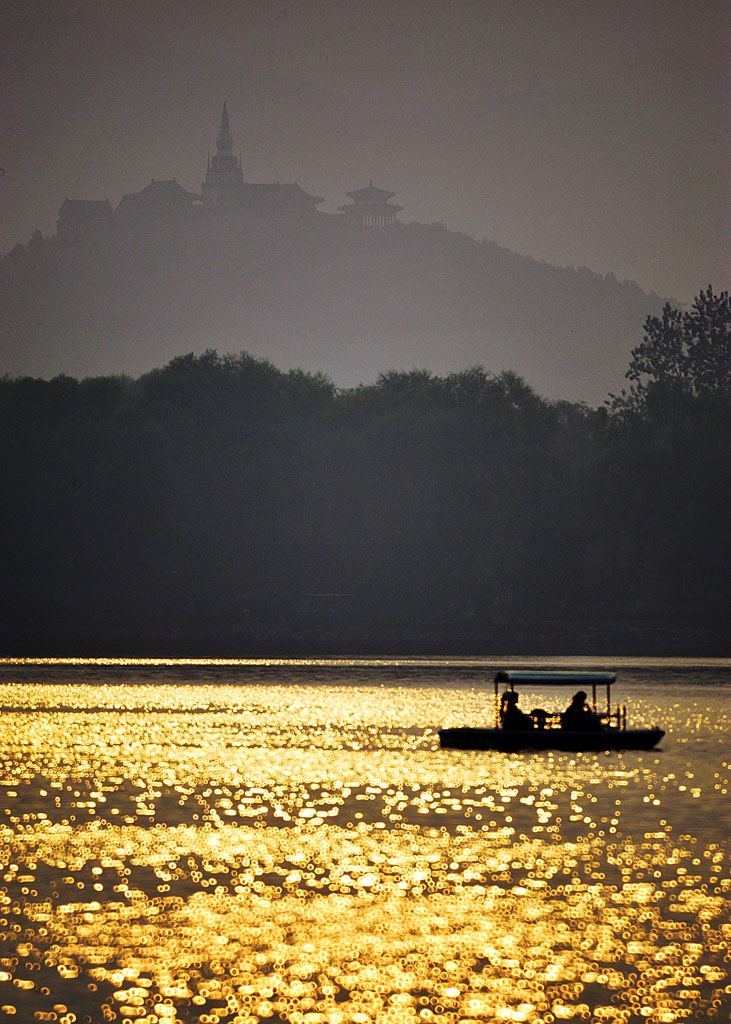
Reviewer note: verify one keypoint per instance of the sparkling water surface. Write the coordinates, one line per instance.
(279, 840)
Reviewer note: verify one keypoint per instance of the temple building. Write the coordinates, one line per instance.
(159, 208)
(164, 210)
(224, 183)
(371, 208)
(83, 221)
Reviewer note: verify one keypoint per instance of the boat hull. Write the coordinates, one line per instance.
(509, 741)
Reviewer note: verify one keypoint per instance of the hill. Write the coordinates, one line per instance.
(317, 293)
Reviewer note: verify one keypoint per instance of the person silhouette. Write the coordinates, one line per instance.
(578, 716)
(511, 716)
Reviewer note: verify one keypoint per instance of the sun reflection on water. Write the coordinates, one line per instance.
(176, 853)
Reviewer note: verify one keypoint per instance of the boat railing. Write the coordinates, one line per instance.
(541, 719)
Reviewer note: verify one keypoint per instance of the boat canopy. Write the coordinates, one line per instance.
(556, 678)
(576, 679)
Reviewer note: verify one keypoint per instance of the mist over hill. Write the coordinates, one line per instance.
(319, 293)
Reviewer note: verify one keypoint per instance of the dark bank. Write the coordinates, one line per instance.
(222, 506)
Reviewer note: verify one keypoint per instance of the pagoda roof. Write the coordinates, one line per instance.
(289, 190)
(363, 208)
(164, 187)
(370, 194)
(156, 191)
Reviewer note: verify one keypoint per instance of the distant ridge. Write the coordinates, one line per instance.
(255, 266)
(316, 292)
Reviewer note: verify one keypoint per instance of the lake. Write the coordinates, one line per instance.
(268, 840)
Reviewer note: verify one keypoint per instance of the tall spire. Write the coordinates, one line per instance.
(224, 141)
(224, 177)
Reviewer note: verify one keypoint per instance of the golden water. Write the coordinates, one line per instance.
(274, 840)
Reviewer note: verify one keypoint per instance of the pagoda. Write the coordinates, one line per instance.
(224, 183)
(224, 177)
(371, 208)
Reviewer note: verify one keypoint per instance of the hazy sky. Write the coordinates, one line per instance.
(583, 133)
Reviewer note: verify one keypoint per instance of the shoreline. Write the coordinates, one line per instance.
(230, 641)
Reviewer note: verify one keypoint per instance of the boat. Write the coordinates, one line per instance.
(542, 730)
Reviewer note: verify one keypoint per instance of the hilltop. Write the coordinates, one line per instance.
(255, 266)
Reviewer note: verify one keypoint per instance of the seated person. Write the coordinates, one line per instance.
(579, 717)
(511, 717)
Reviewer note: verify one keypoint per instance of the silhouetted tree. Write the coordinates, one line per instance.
(666, 450)
(683, 353)
(220, 484)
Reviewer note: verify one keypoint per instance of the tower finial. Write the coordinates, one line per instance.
(224, 142)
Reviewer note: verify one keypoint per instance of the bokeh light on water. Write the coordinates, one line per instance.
(289, 843)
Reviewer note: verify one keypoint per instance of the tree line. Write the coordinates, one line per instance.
(222, 489)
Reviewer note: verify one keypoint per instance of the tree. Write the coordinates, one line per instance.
(684, 353)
